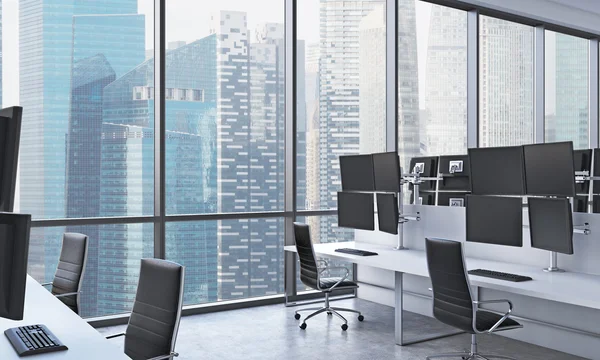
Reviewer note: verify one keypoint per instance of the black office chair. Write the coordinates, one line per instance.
(154, 321)
(453, 302)
(68, 279)
(311, 276)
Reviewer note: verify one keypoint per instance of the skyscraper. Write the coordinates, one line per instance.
(339, 87)
(372, 81)
(444, 127)
(45, 50)
(505, 83)
(571, 115)
(250, 145)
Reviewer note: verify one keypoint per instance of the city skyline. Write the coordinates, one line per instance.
(88, 144)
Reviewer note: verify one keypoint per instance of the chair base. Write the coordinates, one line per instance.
(470, 355)
(331, 310)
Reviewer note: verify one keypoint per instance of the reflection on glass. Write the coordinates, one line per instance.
(566, 95)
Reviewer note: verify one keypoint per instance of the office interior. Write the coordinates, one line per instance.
(280, 179)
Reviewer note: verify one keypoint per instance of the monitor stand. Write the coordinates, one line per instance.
(553, 263)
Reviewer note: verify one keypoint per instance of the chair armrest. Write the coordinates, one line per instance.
(114, 336)
(47, 284)
(321, 271)
(66, 294)
(482, 302)
(163, 357)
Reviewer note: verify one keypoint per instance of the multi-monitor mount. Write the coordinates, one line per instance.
(492, 183)
(365, 175)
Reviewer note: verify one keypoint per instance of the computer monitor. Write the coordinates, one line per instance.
(582, 160)
(425, 198)
(497, 171)
(580, 203)
(596, 204)
(495, 220)
(14, 249)
(356, 211)
(357, 173)
(455, 173)
(387, 213)
(426, 167)
(551, 224)
(387, 172)
(452, 199)
(10, 134)
(549, 169)
(596, 162)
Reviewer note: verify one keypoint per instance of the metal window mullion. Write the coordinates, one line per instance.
(290, 175)
(594, 93)
(539, 91)
(92, 221)
(473, 79)
(159, 128)
(391, 118)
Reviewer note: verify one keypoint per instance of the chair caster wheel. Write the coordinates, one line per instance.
(329, 313)
(344, 327)
(297, 316)
(303, 326)
(361, 318)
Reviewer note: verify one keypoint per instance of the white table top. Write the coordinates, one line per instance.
(568, 287)
(83, 341)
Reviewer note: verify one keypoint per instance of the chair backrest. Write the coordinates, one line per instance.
(309, 272)
(154, 320)
(70, 270)
(452, 299)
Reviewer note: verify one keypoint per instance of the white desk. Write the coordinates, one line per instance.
(572, 288)
(83, 341)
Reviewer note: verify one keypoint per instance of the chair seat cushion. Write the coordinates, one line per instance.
(486, 319)
(327, 283)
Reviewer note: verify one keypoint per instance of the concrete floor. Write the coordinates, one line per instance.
(271, 332)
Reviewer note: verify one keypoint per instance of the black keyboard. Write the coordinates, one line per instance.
(356, 252)
(32, 340)
(499, 275)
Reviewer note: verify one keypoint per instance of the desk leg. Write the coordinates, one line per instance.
(398, 307)
(399, 316)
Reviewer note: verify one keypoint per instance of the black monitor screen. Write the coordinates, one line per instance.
(14, 250)
(425, 198)
(551, 224)
(357, 173)
(387, 213)
(497, 171)
(583, 166)
(495, 220)
(387, 172)
(10, 133)
(549, 169)
(455, 173)
(356, 210)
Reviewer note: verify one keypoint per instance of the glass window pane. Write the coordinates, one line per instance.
(225, 110)
(316, 224)
(87, 131)
(113, 263)
(228, 259)
(432, 80)
(567, 89)
(341, 92)
(505, 83)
